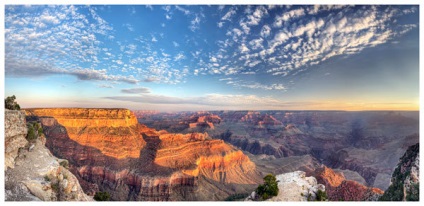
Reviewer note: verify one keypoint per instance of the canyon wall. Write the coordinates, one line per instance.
(109, 151)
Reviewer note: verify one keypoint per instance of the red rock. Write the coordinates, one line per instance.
(338, 188)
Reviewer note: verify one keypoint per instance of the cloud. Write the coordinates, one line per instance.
(183, 10)
(175, 44)
(22, 68)
(220, 100)
(108, 86)
(288, 16)
(229, 14)
(265, 31)
(139, 90)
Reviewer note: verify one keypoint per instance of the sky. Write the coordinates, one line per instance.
(217, 57)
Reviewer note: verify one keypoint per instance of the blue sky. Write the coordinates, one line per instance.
(178, 57)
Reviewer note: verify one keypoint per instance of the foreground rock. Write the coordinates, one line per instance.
(295, 186)
(340, 189)
(109, 151)
(36, 174)
(15, 131)
(405, 181)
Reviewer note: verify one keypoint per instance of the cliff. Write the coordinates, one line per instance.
(15, 131)
(405, 180)
(34, 173)
(134, 162)
(340, 189)
(115, 132)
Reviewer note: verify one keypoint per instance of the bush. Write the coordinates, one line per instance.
(102, 196)
(269, 188)
(32, 133)
(10, 103)
(321, 195)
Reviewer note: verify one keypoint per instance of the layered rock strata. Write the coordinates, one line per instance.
(134, 162)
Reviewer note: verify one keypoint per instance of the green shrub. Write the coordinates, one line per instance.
(269, 188)
(102, 196)
(32, 133)
(321, 195)
(10, 103)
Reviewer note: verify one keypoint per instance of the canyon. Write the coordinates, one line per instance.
(366, 145)
(109, 151)
(212, 155)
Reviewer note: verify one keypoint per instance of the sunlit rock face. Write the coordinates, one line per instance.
(110, 151)
(340, 189)
(115, 132)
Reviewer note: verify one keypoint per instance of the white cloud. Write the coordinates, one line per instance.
(229, 14)
(179, 57)
(266, 30)
(288, 16)
(243, 48)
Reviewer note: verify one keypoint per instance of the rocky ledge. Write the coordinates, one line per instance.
(34, 173)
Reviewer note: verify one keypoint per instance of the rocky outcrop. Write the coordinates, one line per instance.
(340, 189)
(34, 173)
(134, 162)
(295, 186)
(15, 131)
(405, 180)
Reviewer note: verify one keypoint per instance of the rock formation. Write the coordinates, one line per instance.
(15, 131)
(340, 189)
(365, 143)
(35, 174)
(405, 180)
(295, 186)
(109, 151)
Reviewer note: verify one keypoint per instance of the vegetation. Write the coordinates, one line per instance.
(269, 188)
(395, 190)
(46, 178)
(322, 196)
(414, 194)
(237, 197)
(10, 103)
(102, 196)
(34, 130)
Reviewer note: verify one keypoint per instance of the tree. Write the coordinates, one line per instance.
(10, 103)
(102, 196)
(269, 188)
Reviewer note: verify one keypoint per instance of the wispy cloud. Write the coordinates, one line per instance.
(139, 90)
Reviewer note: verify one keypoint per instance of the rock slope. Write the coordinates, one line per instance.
(35, 174)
